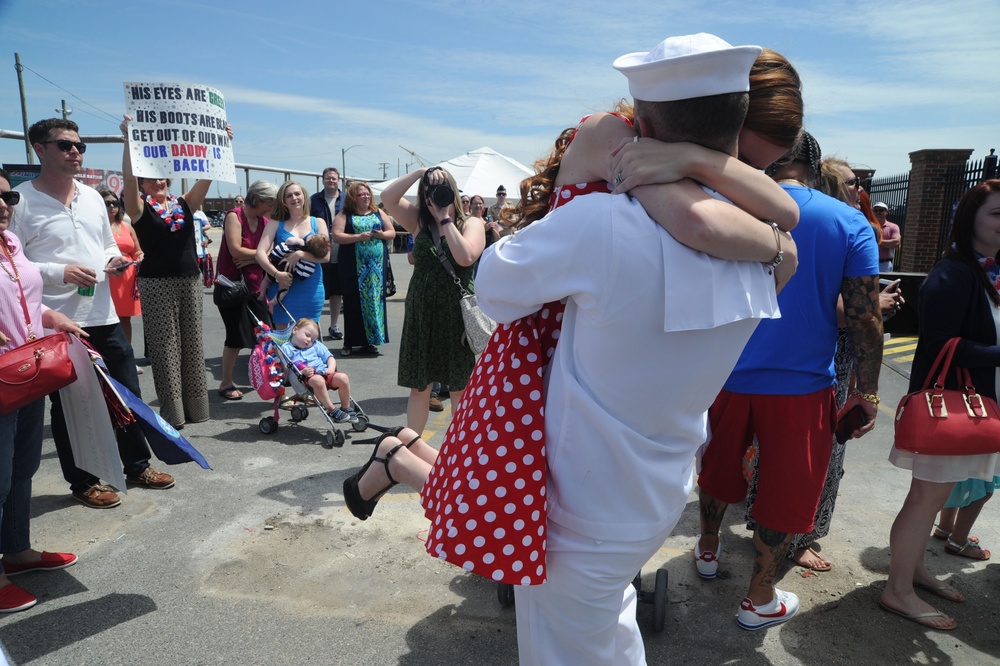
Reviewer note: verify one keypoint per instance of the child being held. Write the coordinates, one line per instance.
(319, 369)
(315, 244)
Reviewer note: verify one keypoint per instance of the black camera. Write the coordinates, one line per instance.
(441, 195)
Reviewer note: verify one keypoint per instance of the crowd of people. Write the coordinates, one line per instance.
(748, 342)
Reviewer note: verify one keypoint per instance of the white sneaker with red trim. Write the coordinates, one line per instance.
(782, 608)
(707, 562)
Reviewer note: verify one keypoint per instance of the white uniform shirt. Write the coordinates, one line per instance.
(626, 401)
(54, 236)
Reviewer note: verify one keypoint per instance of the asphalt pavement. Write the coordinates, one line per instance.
(257, 561)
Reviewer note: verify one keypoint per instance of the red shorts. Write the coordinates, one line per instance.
(331, 382)
(795, 439)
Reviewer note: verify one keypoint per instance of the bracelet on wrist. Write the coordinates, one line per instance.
(444, 221)
(867, 397)
(780, 256)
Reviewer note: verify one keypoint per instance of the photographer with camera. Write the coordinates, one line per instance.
(431, 347)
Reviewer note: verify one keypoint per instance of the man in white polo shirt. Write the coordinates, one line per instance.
(64, 228)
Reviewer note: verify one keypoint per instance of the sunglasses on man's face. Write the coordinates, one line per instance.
(10, 198)
(66, 145)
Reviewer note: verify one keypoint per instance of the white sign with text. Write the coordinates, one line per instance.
(178, 130)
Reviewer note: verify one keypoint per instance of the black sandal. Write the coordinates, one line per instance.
(362, 508)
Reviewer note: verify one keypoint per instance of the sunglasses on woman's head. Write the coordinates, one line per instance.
(10, 198)
(66, 145)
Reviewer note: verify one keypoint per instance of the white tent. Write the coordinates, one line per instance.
(479, 172)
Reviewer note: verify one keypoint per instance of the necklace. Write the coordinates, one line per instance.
(16, 275)
(792, 181)
(170, 211)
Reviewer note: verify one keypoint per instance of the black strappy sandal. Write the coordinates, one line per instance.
(362, 508)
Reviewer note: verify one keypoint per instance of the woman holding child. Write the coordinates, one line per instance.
(361, 230)
(291, 219)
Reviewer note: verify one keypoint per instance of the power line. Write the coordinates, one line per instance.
(72, 94)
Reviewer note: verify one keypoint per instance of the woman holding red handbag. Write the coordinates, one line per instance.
(959, 299)
(21, 314)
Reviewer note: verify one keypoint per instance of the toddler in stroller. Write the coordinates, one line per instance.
(318, 370)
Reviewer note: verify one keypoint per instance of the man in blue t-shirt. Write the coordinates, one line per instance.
(781, 390)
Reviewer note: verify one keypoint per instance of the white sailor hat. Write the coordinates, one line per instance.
(688, 66)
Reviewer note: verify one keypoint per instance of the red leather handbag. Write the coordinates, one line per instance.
(937, 421)
(34, 370)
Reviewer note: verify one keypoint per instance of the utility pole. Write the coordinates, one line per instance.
(64, 111)
(343, 161)
(24, 109)
(385, 168)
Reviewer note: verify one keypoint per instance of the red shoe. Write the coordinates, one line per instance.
(49, 562)
(13, 599)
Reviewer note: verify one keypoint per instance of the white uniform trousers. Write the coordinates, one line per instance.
(584, 613)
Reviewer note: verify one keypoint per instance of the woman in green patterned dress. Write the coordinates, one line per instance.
(431, 348)
(361, 230)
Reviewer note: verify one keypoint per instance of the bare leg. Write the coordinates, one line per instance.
(771, 547)
(417, 408)
(229, 356)
(317, 383)
(456, 399)
(966, 518)
(946, 522)
(907, 543)
(409, 465)
(343, 386)
(712, 513)
(335, 302)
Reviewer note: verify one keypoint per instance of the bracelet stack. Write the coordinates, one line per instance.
(779, 257)
(868, 397)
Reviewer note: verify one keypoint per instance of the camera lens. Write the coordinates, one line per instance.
(442, 195)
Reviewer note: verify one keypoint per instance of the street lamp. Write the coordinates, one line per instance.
(343, 160)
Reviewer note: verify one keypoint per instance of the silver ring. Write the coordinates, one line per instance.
(619, 179)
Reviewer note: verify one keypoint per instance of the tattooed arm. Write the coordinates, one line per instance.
(864, 326)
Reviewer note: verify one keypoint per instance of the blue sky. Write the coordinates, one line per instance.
(304, 79)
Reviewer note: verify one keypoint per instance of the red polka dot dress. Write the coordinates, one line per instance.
(485, 495)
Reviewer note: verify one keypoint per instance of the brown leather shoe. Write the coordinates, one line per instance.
(152, 479)
(98, 497)
(435, 405)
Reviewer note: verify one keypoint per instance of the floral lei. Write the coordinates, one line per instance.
(172, 213)
(992, 269)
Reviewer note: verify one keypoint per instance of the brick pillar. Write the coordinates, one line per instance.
(925, 205)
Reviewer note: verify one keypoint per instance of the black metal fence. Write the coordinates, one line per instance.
(893, 191)
(958, 181)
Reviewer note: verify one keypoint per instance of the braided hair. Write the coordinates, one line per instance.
(805, 151)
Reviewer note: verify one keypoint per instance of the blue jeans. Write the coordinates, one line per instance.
(112, 344)
(20, 455)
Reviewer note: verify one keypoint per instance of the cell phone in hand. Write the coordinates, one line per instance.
(846, 425)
